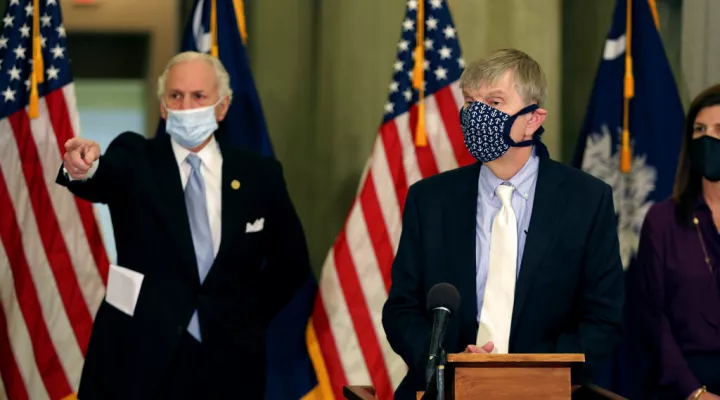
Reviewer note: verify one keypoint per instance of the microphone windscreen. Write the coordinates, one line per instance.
(443, 295)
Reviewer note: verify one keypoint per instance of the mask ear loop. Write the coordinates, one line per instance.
(509, 123)
(220, 100)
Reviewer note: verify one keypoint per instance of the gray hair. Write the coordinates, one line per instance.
(530, 80)
(223, 79)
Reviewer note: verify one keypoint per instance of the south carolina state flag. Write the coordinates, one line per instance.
(635, 93)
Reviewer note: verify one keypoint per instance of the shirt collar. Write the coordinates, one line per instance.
(522, 181)
(210, 155)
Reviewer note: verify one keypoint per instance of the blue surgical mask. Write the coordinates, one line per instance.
(486, 130)
(190, 128)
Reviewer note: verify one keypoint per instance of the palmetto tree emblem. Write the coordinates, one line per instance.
(630, 191)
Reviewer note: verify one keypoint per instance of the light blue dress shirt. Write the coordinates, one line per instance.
(488, 204)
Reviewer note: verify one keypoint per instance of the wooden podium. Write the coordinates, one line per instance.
(506, 376)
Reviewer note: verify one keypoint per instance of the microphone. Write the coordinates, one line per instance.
(443, 300)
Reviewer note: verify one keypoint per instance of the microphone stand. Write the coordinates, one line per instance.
(440, 374)
(435, 388)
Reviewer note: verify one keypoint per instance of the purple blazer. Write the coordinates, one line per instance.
(679, 294)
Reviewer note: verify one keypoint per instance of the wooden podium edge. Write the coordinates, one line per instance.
(515, 358)
(475, 360)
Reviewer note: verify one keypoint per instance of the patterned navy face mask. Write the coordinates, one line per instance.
(486, 130)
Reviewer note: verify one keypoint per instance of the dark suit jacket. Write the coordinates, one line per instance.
(569, 293)
(254, 274)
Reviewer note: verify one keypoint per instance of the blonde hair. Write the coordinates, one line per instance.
(221, 75)
(530, 80)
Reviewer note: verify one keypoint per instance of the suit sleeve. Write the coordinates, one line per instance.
(287, 265)
(650, 293)
(110, 178)
(404, 314)
(600, 302)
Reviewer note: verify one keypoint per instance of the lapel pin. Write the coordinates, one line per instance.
(235, 184)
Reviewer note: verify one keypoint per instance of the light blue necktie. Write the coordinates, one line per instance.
(196, 204)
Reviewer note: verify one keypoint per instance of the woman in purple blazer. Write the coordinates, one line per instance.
(679, 265)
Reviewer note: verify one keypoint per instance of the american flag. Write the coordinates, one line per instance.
(53, 265)
(346, 337)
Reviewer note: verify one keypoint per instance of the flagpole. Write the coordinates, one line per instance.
(419, 75)
(36, 76)
(628, 93)
(213, 29)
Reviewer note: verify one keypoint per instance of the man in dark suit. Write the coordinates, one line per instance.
(209, 249)
(530, 244)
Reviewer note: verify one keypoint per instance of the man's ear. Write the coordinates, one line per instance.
(223, 108)
(535, 120)
(163, 111)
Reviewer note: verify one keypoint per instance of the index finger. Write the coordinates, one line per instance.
(71, 144)
(91, 154)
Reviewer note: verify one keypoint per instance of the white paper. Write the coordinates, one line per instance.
(123, 288)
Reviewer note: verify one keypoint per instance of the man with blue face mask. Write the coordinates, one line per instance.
(530, 244)
(209, 249)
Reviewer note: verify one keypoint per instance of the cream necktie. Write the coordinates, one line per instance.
(497, 308)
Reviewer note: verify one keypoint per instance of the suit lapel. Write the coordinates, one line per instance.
(170, 205)
(235, 195)
(547, 206)
(460, 231)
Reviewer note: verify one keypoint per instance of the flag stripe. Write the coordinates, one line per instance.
(45, 356)
(437, 136)
(3, 393)
(11, 381)
(68, 217)
(372, 271)
(52, 242)
(53, 264)
(394, 152)
(459, 99)
(58, 323)
(371, 281)
(425, 156)
(360, 315)
(60, 111)
(387, 196)
(407, 158)
(376, 229)
(336, 306)
(72, 110)
(329, 353)
(447, 107)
